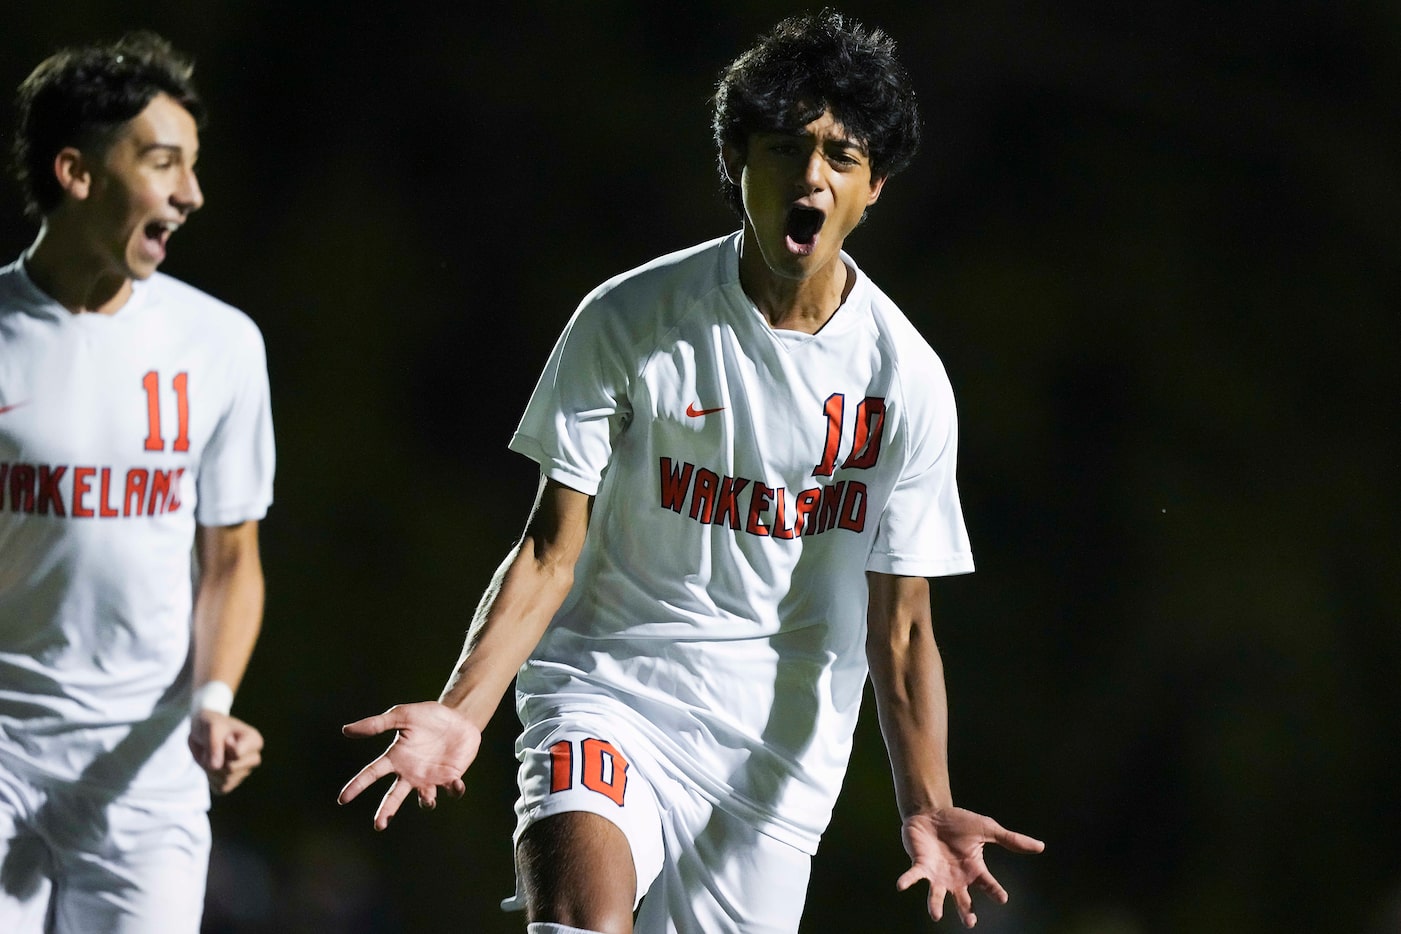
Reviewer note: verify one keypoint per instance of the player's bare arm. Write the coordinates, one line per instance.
(228, 616)
(436, 741)
(945, 843)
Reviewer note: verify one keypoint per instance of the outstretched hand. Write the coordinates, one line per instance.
(946, 849)
(432, 748)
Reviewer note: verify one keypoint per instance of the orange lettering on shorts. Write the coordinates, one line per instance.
(605, 770)
(561, 766)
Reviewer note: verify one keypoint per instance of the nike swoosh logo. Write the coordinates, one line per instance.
(11, 408)
(694, 412)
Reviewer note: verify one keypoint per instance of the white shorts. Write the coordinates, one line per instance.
(700, 870)
(78, 861)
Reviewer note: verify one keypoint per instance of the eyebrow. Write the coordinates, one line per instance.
(843, 142)
(852, 144)
(174, 148)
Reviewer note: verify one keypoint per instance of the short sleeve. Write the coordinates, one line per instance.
(236, 469)
(580, 403)
(921, 532)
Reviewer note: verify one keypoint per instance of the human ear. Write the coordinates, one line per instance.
(733, 159)
(876, 185)
(72, 171)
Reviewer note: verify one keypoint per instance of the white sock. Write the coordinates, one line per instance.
(549, 927)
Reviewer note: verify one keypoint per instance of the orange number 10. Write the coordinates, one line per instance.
(870, 423)
(152, 384)
(603, 768)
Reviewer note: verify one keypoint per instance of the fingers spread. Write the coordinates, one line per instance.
(389, 806)
(369, 726)
(1011, 840)
(991, 887)
(1017, 842)
(364, 779)
(964, 901)
(936, 902)
(908, 878)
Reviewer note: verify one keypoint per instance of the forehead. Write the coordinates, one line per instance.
(164, 122)
(824, 128)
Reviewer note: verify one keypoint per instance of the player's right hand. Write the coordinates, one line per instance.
(433, 746)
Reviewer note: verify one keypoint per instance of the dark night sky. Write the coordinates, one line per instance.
(1153, 244)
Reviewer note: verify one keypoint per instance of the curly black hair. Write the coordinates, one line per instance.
(806, 65)
(82, 96)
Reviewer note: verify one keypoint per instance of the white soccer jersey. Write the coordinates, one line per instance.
(746, 480)
(118, 433)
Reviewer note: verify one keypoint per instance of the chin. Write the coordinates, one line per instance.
(788, 269)
(786, 265)
(141, 270)
(800, 265)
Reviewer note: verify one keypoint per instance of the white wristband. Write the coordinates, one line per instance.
(212, 695)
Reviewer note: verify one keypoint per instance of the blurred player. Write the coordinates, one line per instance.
(748, 458)
(134, 427)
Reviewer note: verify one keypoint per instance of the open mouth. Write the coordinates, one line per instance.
(159, 231)
(157, 234)
(802, 228)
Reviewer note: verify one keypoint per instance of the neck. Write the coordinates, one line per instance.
(805, 304)
(73, 276)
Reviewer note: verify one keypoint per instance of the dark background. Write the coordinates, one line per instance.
(1156, 245)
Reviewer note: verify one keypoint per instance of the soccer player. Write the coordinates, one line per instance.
(134, 430)
(748, 473)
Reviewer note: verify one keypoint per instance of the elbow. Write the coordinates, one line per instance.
(551, 562)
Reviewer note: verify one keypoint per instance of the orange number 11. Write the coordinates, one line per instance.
(152, 383)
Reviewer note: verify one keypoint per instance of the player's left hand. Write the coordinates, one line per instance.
(225, 747)
(946, 849)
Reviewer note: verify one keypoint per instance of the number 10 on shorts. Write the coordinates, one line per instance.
(602, 767)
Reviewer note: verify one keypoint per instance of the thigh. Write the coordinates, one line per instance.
(574, 869)
(588, 835)
(25, 866)
(127, 869)
(721, 875)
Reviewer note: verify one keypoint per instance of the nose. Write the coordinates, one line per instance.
(814, 172)
(188, 196)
